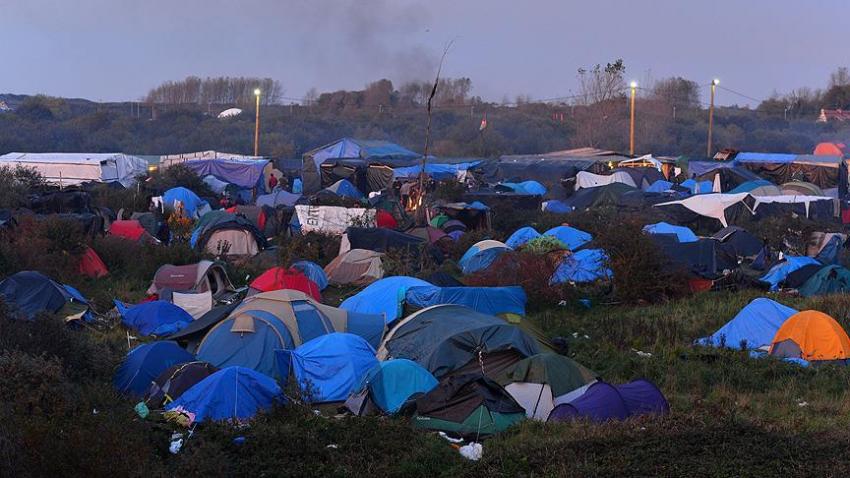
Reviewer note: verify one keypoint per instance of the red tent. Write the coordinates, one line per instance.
(130, 229)
(385, 220)
(91, 265)
(278, 278)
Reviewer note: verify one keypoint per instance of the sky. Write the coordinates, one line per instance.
(117, 50)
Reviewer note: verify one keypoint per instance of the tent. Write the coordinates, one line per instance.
(278, 278)
(556, 206)
(278, 197)
(232, 393)
(486, 300)
(67, 169)
(612, 195)
(739, 242)
(682, 234)
(722, 207)
(157, 317)
(469, 405)
(752, 328)
(481, 255)
(659, 186)
(569, 236)
(357, 266)
(30, 293)
(313, 271)
(801, 188)
(91, 265)
(603, 402)
(204, 276)
(329, 367)
(145, 363)
(541, 381)
(219, 232)
(586, 265)
(344, 188)
(192, 204)
(757, 187)
(354, 156)
(586, 179)
(444, 338)
(130, 229)
(282, 319)
(175, 380)
(831, 279)
(727, 177)
(378, 239)
(389, 385)
(521, 236)
(779, 272)
(437, 171)
(244, 173)
(531, 187)
(191, 336)
(698, 187)
(812, 336)
(384, 296)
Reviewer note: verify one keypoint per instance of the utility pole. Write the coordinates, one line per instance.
(257, 125)
(633, 85)
(714, 84)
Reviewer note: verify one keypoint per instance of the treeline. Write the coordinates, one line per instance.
(223, 90)
(807, 102)
(382, 95)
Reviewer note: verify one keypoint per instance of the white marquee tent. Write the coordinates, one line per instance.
(68, 169)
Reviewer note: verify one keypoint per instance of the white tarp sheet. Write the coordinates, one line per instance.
(332, 219)
(585, 179)
(710, 205)
(68, 169)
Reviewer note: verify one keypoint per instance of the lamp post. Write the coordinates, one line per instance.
(257, 125)
(633, 86)
(714, 84)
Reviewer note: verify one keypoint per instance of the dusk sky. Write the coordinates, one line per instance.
(115, 50)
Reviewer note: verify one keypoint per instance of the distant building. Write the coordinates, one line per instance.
(833, 115)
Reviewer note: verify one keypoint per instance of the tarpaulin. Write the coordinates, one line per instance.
(585, 179)
(243, 173)
(487, 300)
(331, 219)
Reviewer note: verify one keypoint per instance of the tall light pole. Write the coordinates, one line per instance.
(257, 125)
(633, 86)
(714, 84)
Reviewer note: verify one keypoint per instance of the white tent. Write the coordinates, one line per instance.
(74, 168)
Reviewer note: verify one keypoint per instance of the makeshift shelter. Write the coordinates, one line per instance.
(198, 278)
(232, 393)
(817, 208)
(812, 336)
(530, 188)
(752, 328)
(328, 368)
(727, 178)
(222, 233)
(521, 236)
(586, 265)
(468, 405)
(725, 208)
(586, 179)
(244, 173)
(779, 272)
(282, 319)
(145, 363)
(430, 234)
(193, 205)
(438, 171)
(613, 195)
(540, 382)
(739, 242)
(343, 188)
(823, 171)
(481, 255)
(389, 385)
(603, 402)
(801, 188)
(67, 169)
(681, 233)
(444, 338)
(366, 163)
(313, 271)
(333, 220)
(175, 380)
(157, 317)
(486, 300)
(697, 187)
(706, 257)
(831, 279)
(569, 236)
(378, 239)
(473, 215)
(384, 296)
(757, 187)
(278, 197)
(278, 278)
(131, 230)
(29, 293)
(357, 266)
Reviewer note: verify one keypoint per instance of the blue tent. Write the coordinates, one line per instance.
(570, 236)
(659, 186)
(487, 300)
(245, 173)
(344, 188)
(154, 318)
(586, 265)
(191, 201)
(370, 150)
(698, 187)
(314, 272)
(438, 171)
(390, 384)
(144, 363)
(481, 256)
(328, 368)
(780, 272)
(755, 325)
(297, 186)
(750, 185)
(384, 296)
(556, 206)
(278, 197)
(232, 393)
(532, 188)
(682, 233)
(31, 293)
(522, 236)
(603, 402)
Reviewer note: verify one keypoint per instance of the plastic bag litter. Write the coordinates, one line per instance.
(450, 439)
(473, 451)
(142, 410)
(176, 443)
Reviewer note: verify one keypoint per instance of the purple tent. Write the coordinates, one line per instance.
(602, 402)
(245, 173)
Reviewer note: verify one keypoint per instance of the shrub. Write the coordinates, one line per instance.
(51, 245)
(16, 184)
(178, 175)
(315, 247)
(530, 271)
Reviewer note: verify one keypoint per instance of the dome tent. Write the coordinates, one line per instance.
(603, 402)
(232, 393)
(313, 271)
(521, 236)
(569, 236)
(753, 327)
(481, 255)
(158, 317)
(175, 380)
(144, 363)
(384, 296)
(389, 385)
(811, 336)
(278, 278)
(31, 293)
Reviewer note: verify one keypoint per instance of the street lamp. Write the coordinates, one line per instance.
(633, 85)
(257, 125)
(714, 84)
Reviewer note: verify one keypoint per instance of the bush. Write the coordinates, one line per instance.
(178, 175)
(530, 271)
(315, 247)
(51, 245)
(16, 184)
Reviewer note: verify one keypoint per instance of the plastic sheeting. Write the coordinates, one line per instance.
(709, 205)
(780, 271)
(587, 265)
(682, 233)
(585, 179)
(246, 173)
(331, 219)
(486, 300)
(158, 317)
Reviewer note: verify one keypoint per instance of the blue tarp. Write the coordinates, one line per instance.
(314, 272)
(532, 188)
(245, 173)
(232, 393)
(570, 236)
(191, 201)
(370, 150)
(698, 187)
(393, 382)
(556, 207)
(297, 186)
(328, 368)
(750, 185)
(744, 157)
(158, 317)
(659, 186)
(682, 233)
(586, 265)
(439, 172)
(487, 300)
(755, 325)
(278, 197)
(144, 363)
(779, 272)
(522, 236)
(475, 259)
(384, 296)
(344, 188)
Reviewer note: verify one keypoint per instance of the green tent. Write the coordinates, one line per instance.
(828, 280)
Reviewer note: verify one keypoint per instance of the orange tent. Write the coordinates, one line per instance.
(829, 149)
(91, 265)
(812, 336)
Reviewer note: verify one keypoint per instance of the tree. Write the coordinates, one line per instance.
(602, 84)
(677, 92)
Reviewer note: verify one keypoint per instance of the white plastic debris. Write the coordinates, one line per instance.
(641, 353)
(803, 404)
(176, 443)
(333, 446)
(473, 451)
(94, 411)
(450, 439)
